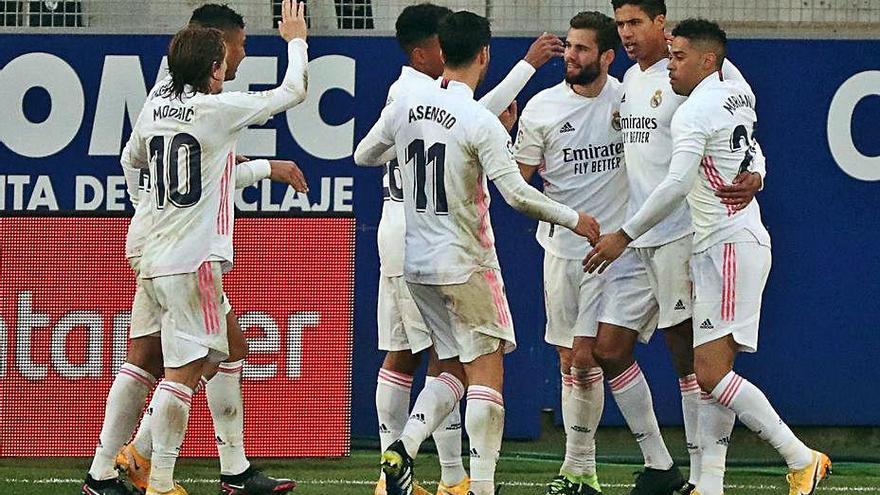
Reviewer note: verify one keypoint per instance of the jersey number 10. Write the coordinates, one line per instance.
(183, 147)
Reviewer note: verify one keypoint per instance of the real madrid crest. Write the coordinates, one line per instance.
(615, 121)
(657, 99)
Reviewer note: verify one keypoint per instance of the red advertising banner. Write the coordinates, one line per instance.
(65, 302)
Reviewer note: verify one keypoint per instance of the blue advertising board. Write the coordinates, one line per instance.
(68, 102)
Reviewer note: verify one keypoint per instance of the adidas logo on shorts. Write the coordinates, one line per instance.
(707, 325)
(567, 127)
(679, 306)
(419, 417)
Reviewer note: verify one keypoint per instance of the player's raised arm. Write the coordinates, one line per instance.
(543, 49)
(242, 109)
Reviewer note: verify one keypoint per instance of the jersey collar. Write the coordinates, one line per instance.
(455, 87)
(407, 72)
(710, 80)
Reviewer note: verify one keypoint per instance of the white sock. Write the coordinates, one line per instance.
(755, 411)
(447, 438)
(434, 403)
(484, 421)
(227, 411)
(633, 397)
(690, 408)
(716, 425)
(588, 402)
(143, 438)
(125, 401)
(392, 404)
(171, 415)
(572, 464)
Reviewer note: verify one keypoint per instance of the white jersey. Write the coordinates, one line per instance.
(139, 192)
(392, 225)
(137, 181)
(646, 112)
(576, 142)
(189, 144)
(452, 146)
(717, 122)
(645, 117)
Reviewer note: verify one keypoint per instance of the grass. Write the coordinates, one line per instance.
(524, 467)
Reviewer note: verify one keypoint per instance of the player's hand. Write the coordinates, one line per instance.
(508, 117)
(288, 172)
(742, 191)
(241, 159)
(293, 20)
(608, 249)
(588, 227)
(544, 48)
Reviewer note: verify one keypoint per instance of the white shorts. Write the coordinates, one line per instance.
(628, 300)
(729, 282)
(467, 320)
(572, 301)
(576, 301)
(667, 275)
(189, 308)
(145, 312)
(401, 327)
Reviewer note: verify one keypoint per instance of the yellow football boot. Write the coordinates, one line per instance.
(177, 490)
(804, 481)
(459, 489)
(135, 466)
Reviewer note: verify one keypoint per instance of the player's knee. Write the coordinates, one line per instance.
(608, 356)
(404, 362)
(708, 373)
(146, 354)
(238, 351)
(583, 358)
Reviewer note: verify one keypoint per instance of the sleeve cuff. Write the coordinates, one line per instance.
(262, 168)
(571, 219)
(526, 68)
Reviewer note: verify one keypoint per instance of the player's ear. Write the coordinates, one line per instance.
(710, 61)
(607, 58)
(660, 21)
(484, 55)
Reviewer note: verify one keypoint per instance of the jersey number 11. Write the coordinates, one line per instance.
(435, 155)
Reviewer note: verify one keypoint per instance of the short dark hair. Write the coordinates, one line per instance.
(651, 7)
(701, 30)
(191, 57)
(604, 27)
(417, 23)
(212, 15)
(462, 36)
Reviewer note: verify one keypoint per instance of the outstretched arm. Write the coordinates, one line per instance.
(543, 49)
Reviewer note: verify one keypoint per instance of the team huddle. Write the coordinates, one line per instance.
(647, 218)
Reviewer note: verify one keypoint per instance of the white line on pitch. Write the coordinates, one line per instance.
(527, 484)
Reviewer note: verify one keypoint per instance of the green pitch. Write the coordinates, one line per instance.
(524, 468)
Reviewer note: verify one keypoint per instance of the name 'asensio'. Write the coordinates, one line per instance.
(432, 113)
